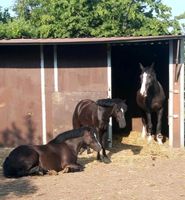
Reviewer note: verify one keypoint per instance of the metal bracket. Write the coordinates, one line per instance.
(174, 91)
(175, 116)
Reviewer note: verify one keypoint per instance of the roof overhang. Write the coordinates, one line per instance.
(102, 40)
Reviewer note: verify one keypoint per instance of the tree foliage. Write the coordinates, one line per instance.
(4, 18)
(182, 17)
(90, 18)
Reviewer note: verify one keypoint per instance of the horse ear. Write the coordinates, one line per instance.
(152, 66)
(141, 66)
(124, 100)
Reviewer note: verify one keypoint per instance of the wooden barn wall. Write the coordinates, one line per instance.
(177, 90)
(20, 99)
(82, 74)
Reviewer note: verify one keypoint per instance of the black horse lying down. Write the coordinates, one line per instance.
(59, 154)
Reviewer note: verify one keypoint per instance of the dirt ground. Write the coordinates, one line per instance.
(138, 171)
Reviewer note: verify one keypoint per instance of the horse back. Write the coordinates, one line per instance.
(85, 114)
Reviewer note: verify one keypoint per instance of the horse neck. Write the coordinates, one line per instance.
(154, 89)
(67, 135)
(75, 144)
(106, 113)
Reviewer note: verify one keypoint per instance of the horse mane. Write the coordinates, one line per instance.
(69, 134)
(111, 102)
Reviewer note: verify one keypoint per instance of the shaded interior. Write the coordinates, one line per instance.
(126, 81)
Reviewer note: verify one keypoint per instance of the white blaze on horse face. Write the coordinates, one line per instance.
(143, 85)
(122, 110)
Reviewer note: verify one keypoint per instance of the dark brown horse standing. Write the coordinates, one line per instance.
(97, 114)
(151, 98)
(59, 154)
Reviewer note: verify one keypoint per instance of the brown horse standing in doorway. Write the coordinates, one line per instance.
(150, 98)
(59, 154)
(97, 114)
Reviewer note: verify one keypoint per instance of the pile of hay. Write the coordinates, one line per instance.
(134, 149)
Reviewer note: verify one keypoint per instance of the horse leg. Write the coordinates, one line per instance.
(144, 129)
(83, 148)
(105, 158)
(149, 126)
(159, 136)
(37, 170)
(73, 168)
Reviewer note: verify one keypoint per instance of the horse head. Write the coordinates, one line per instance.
(119, 110)
(115, 108)
(148, 77)
(90, 138)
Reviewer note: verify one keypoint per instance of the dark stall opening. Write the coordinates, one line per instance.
(126, 80)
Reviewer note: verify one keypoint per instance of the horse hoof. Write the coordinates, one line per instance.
(40, 173)
(100, 160)
(65, 170)
(159, 140)
(106, 160)
(149, 138)
(52, 172)
(81, 169)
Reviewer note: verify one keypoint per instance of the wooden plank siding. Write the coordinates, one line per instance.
(20, 104)
(82, 72)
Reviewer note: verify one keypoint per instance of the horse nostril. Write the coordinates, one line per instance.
(122, 124)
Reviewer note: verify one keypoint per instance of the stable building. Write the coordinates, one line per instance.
(42, 80)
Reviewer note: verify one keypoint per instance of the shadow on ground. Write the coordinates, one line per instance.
(136, 149)
(118, 146)
(18, 187)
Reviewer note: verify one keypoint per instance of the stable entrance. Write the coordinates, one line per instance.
(126, 78)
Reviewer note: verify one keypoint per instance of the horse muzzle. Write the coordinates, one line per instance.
(96, 147)
(122, 124)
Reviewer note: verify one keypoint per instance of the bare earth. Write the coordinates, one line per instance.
(138, 171)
